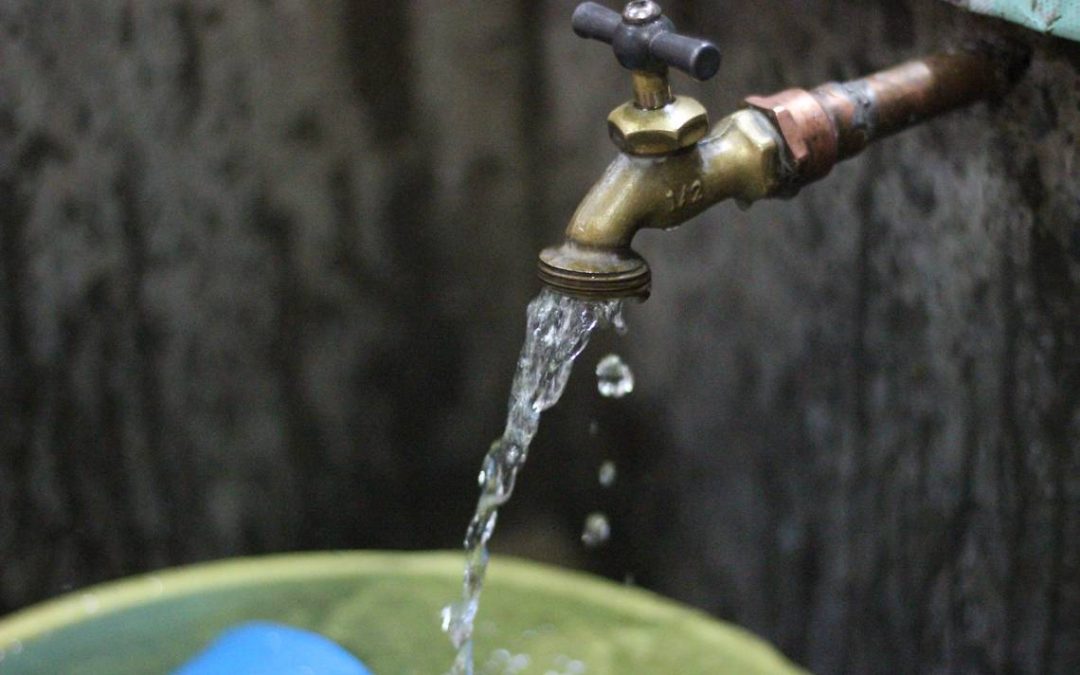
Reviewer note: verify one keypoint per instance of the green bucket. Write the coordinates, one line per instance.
(384, 607)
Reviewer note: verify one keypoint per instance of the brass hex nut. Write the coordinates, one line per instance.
(762, 166)
(679, 124)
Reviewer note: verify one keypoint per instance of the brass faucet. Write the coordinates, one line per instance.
(671, 167)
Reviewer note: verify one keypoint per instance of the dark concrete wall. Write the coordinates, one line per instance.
(262, 271)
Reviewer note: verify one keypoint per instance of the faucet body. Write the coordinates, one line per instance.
(770, 148)
(740, 159)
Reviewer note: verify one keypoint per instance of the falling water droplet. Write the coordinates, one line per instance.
(497, 662)
(597, 530)
(613, 377)
(618, 322)
(607, 473)
(518, 663)
(575, 667)
(594, 428)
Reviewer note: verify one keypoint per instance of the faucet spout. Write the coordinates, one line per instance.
(739, 159)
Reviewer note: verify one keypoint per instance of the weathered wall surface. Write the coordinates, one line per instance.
(262, 272)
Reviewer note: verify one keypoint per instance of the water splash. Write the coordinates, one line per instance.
(558, 329)
(502, 662)
(618, 322)
(614, 379)
(568, 666)
(597, 530)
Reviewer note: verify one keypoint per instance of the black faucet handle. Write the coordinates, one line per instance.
(644, 39)
(593, 20)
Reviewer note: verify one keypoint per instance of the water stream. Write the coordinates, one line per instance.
(558, 329)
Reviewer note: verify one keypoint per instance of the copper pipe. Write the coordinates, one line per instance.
(837, 120)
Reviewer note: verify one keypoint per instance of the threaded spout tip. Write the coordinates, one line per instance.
(595, 273)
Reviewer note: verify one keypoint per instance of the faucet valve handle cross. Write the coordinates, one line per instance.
(645, 40)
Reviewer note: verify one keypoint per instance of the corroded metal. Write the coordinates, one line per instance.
(808, 132)
(837, 120)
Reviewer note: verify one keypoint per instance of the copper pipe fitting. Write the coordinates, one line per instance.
(837, 120)
(809, 133)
